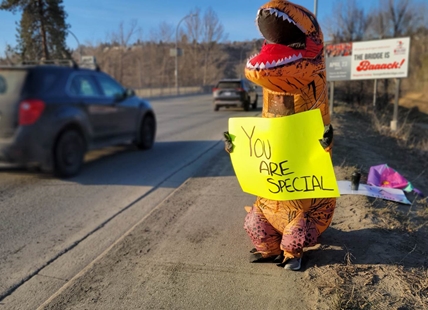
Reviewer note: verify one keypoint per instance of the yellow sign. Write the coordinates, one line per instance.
(282, 158)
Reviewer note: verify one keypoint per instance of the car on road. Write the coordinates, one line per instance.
(235, 93)
(52, 114)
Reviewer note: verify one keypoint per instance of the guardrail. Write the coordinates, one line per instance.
(171, 91)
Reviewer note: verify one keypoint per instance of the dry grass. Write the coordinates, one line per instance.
(407, 134)
(412, 131)
(423, 145)
(374, 287)
(404, 218)
(389, 286)
(399, 282)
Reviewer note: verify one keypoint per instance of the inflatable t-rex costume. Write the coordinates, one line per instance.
(291, 70)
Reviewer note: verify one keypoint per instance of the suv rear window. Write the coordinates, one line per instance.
(11, 82)
(42, 80)
(227, 84)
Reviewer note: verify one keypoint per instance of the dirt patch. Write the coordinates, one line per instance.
(415, 100)
(375, 254)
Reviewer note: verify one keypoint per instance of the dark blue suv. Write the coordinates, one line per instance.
(51, 115)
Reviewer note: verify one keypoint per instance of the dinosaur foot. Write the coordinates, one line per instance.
(258, 258)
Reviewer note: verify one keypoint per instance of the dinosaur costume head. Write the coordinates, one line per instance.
(292, 54)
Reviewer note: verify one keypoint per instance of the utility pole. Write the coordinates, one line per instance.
(315, 7)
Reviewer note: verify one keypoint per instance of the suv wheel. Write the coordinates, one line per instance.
(216, 107)
(68, 153)
(147, 133)
(246, 106)
(254, 105)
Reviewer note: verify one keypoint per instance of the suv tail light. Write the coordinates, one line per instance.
(30, 111)
(214, 89)
(240, 89)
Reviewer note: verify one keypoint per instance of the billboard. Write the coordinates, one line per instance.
(380, 59)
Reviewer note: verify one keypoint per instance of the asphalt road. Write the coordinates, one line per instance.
(51, 229)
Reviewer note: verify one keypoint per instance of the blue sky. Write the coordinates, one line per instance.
(92, 21)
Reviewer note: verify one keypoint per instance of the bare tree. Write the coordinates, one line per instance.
(205, 33)
(120, 41)
(156, 53)
(402, 16)
(349, 23)
(212, 34)
(11, 55)
(394, 19)
(164, 33)
(122, 36)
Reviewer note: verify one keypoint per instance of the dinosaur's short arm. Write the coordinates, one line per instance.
(327, 140)
(228, 146)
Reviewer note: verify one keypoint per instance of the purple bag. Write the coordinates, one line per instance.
(385, 176)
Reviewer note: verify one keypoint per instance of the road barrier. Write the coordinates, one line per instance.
(171, 91)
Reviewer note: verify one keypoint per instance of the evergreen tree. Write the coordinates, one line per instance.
(42, 30)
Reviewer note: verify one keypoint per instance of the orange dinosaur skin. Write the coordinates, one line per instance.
(292, 83)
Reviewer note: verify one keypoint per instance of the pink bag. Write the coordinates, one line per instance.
(384, 176)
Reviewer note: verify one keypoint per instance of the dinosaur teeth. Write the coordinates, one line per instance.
(284, 17)
(274, 63)
(249, 65)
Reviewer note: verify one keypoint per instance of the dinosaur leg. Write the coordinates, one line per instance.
(265, 238)
(298, 234)
(305, 229)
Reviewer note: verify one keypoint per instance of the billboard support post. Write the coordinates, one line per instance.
(374, 93)
(331, 97)
(394, 121)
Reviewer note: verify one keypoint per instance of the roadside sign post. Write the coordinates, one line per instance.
(394, 121)
(331, 96)
(374, 93)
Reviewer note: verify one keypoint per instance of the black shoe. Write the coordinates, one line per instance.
(279, 259)
(258, 258)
